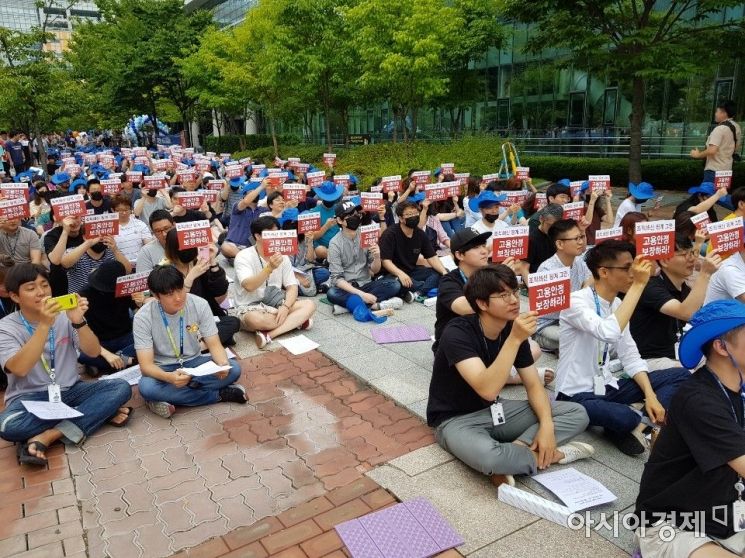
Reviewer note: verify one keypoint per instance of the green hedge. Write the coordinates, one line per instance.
(233, 143)
(483, 155)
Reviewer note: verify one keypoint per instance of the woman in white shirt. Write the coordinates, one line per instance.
(638, 194)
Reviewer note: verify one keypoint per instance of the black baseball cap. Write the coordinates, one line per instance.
(467, 238)
(346, 207)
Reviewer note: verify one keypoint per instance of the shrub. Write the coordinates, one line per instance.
(233, 143)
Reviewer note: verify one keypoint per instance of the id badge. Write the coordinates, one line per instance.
(738, 515)
(598, 383)
(497, 414)
(677, 348)
(55, 395)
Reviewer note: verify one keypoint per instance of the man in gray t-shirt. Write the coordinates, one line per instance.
(167, 333)
(153, 253)
(22, 245)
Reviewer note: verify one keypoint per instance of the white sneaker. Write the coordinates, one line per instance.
(262, 339)
(337, 310)
(409, 297)
(161, 408)
(394, 303)
(574, 451)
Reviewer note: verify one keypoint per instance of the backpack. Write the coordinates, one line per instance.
(735, 156)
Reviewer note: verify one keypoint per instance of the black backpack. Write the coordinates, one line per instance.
(735, 156)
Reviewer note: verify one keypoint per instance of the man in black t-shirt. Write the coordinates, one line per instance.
(691, 484)
(400, 248)
(492, 435)
(667, 303)
(540, 246)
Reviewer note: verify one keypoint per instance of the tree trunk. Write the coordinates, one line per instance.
(395, 125)
(274, 136)
(404, 114)
(635, 132)
(344, 114)
(414, 114)
(187, 129)
(327, 122)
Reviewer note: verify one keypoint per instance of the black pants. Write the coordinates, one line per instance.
(226, 328)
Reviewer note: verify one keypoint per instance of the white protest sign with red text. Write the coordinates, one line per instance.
(420, 178)
(342, 180)
(234, 171)
(16, 208)
(510, 242)
(462, 178)
(540, 201)
(549, 291)
(329, 159)
(193, 234)
(391, 183)
(700, 220)
(68, 206)
(279, 242)
(574, 210)
(215, 184)
(726, 236)
(294, 192)
(129, 284)
(614, 233)
(315, 178)
(190, 200)
(514, 197)
(105, 224)
(277, 179)
(447, 168)
(723, 179)
(111, 186)
(522, 173)
(599, 183)
(371, 201)
(438, 192)
(369, 235)
(134, 176)
(489, 178)
(16, 190)
(154, 182)
(308, 222)
(655, 239)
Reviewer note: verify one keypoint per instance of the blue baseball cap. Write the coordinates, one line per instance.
(60, 178)
(237, 181)
(585, 185)
(564, 182)
(328, 191)
(288, 215)
(709, 323)
(641, 191)
(416, 198)
(485, 198)
(706, 188)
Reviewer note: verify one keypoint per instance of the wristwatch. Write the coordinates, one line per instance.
(81, 324)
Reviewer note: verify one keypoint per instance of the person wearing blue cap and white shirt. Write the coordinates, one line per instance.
(487, 203)
(690, 501)
(244, 212)
(702, 198)
(638, 195)
(329, 194)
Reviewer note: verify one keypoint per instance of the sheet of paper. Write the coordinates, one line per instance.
(575, 489)
(51, 411)
(205, 369)
(299, 271)
(230, 353)
(448, 262)
(298, 345)
(132, 375)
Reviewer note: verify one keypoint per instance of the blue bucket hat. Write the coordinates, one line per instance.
(641, 191)
(25, 176)
(60, 178)
(144, 169)
(487, 197)
(237, 181)
(328, 191)
(585, 185)
(288, 215)
(416, 198)
(564, 182)
(709, 323)
(706, 188)
(77, 184)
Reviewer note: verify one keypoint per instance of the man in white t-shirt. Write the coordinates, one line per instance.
(729, 281)
(267, 293)
(487, 203)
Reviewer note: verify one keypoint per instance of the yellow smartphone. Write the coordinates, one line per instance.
(66, 302)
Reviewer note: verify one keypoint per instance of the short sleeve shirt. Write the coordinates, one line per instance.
(722, 137)
(132, 237)
(247, 264)
(450, 288)
(19, 245)
(729, 281)
(402, 250)
(578, 274)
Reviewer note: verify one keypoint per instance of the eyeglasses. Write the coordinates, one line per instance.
(410, 215)
(686, 254)
(624, 267)
(505, 297)
(162, 231)
(577, 238)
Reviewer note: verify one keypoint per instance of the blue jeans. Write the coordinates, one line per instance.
(204, 390)
(124, 345)
(383, 289)
(423, 280)
(709, 176)
(612, 411)
(98, 401)
(453, 226)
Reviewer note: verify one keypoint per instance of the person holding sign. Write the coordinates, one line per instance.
(38, 346)
(245, 212)
(690, 495)
(702, 199)
(495, 436)
(330, 194)
(97, 202)
(723, 144)
(267, 293)
(570, 243)
(487, 203)
(81, 261)
(149, 202)
(168, 332)
(596, 325)
(540, 247)
(352, 267)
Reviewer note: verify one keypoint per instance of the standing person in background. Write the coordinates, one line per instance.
(723, 144)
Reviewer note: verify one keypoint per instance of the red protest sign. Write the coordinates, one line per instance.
(139, 151)
(111, 186)
(68, 206)
(726, 236)
(202, 166)
(489, 178)
(655, 239)
(614, 233)
(215, 184)
(514, 197)
(540, 201)
(315, 178)
(342, 180)
(210, 196)
(723, 179)
(599, 183)
(510, 242)
(294, 192)
(105, 224)
(134, 176)
(234, 171)
(700, 220)
(187, 176)
(522, 173)
(371, 201)
(436, 192)
(391, 183)
(575, 188)
(308, 222)
(277, 179)
(127, 285)
(16, 190)
(301, 167)
(193, 234)
(369, 235)
(154, 182)
(574, 210)
(462, 178)
(549, 291)
(225, 156)
(256, 170)
(279, 242)
(73, 170)
(447, 168)
(190, 200)
(420, 178)
(329, 159)
(16, 208)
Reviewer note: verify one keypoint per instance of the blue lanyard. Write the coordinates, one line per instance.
(463, 275)
(48, 366)
(601, 360)
(179, 354)
(726, 396)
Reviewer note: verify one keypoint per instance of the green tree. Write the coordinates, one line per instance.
(633, 41)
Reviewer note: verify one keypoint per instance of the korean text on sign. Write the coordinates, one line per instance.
(420, 178)
(574, 210)
(391, 183)
(130, 284)
(15, 190)
(549, 291)
(68, 206)
(723, 179)
(16, 208)
(190, 200)
(655, 239)
(726, 236)
(111, 186)
(369, 235)
(193, 234)
(329, 159)
(315, 178)
(599, 183)
(510, 242)
(522, 173)
(106, 224)
(371, 201)
(614, 233)
(308, 222)
(294, 192)
(279, 242)
(700, 220)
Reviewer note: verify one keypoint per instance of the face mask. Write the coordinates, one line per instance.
(187, 256)
(234, 188)
(96, 196)
(152, 193)
(329, 204)
(99, 247)
(411, 222)
(491, 218)
(353, 222)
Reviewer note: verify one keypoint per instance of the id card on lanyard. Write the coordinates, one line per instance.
(598, 382)
(53, 389)
(177, 352)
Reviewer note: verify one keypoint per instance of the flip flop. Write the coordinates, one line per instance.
(25, 457)
(125, 421)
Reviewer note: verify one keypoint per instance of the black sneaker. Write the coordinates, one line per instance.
(234, 393)
(626, 442)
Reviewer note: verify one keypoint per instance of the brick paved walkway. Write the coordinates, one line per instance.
(158, 486)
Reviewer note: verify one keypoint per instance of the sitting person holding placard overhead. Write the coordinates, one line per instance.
(167, 333)
(266, 297)
(596, 324)
(38, 353)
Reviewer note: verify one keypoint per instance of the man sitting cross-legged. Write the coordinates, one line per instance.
(496, 436)
(37, 351)
(167, 331)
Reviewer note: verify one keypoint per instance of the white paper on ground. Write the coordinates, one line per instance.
(575, 489)
(51, 411)
(298, 344)
(230, 353)
(448, 262)
(205, 369)
(132, 375)
(532, 503)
